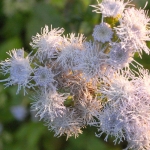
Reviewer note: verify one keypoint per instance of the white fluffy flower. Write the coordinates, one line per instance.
(92, 61)
(137, 122)
(48, 43)
(88, 107)
(128, 100)
(49, 103)
(134, 29)
(43, 76)
(83, 83)
(118, 88)
(138, 133)
(102, 33)
(142, 84)
(120, 57)
(68, 124)
(19, 69)
(111, 8)
(70, 51)
(110, 122)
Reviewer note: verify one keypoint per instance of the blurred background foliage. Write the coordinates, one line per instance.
(19, 21)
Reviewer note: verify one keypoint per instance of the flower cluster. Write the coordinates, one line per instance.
(79, 82)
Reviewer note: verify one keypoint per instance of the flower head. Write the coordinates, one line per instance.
(137, 134)
(70, 51)
(134, 29)
(49, 103)
(91, 61)
(110, 121)
(142, 84)
(68, 124)
(44, 77)
(87, 107)
(48, 43)
(19, 69)
(129, 104)
(111, 8)
(120, 57)
(102, 33)
(118, 88)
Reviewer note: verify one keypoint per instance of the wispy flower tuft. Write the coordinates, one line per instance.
(18, 68)
(102, 33)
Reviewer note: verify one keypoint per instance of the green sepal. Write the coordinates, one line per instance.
(69, 101)
(112, 21)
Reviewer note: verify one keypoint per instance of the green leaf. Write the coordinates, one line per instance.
(29, 134)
